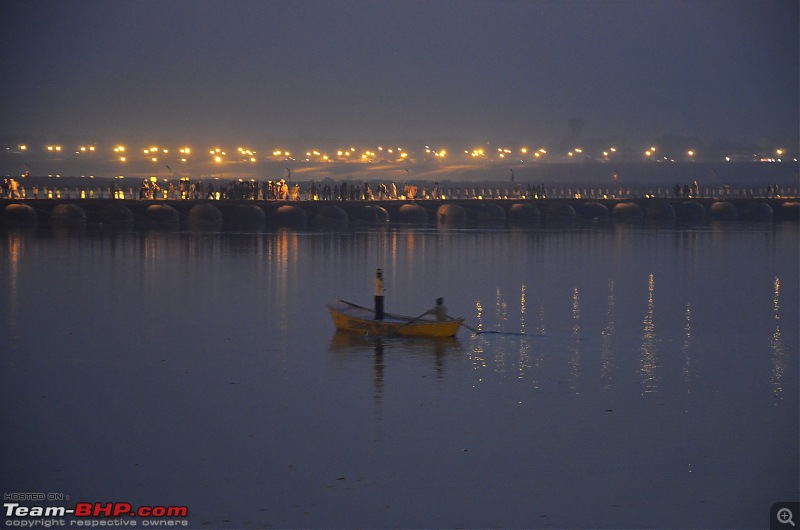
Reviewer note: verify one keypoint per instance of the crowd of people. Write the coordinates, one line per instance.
(281, 190)
(11, 189)
(347, 190)
(686, 192)
(269, 190)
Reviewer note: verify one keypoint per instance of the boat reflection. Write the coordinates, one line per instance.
(350, 348)
(346, 346)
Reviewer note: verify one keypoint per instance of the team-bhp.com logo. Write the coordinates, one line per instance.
(119, 509)
(87, 514)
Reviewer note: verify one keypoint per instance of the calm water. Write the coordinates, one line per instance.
(657, 385)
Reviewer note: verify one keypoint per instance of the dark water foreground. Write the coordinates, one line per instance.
(656, 384)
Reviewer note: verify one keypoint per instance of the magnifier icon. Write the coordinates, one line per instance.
(785, 516)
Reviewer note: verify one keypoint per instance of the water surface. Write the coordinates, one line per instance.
(656, 384)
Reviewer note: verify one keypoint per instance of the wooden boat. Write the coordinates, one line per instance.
(354, 318)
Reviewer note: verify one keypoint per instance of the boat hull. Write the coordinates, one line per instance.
(355, 320)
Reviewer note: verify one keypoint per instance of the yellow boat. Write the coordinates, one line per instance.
(354, 318)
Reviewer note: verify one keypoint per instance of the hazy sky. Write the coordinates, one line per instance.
(246, 71)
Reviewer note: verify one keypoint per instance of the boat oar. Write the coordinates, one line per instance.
(351, 304)
(414, 319)
(475, 331)
(486, 331)
(409, 322)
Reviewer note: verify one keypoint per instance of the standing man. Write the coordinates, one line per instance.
(379, 290)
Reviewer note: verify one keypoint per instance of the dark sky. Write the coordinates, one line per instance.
(249, 71)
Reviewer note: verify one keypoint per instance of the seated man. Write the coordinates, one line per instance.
(439, 311)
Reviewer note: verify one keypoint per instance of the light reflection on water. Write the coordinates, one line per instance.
(776, 343)
(648, 360)
(575, 340)
(632, 349)
(686, 350)
(607, 351)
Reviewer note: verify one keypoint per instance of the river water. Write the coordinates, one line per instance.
(655, 385)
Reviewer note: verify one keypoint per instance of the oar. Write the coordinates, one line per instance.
(413, 320)
(481, 332)
(475, 331)
(351, 304)
(395, 332)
